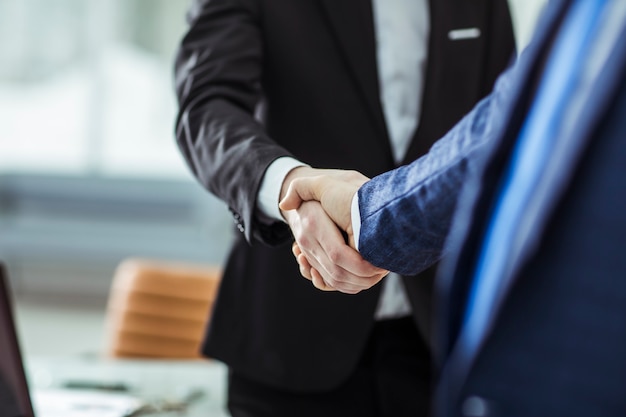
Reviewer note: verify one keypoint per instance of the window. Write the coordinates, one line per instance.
(86, 87)
(89, 169)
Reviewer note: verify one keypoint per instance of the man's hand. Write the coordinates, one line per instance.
(320, 249)
(322, 252)
(334, 189)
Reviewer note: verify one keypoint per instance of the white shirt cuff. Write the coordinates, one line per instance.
(269, 192)
(356, 219)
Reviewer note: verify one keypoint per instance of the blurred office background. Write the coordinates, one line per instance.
(89, 170)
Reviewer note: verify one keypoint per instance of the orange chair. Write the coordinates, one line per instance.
(159, 309)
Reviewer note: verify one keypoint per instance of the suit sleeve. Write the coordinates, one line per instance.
(218, 73)
(406, 213)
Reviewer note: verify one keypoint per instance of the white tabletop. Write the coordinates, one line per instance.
(155, 381)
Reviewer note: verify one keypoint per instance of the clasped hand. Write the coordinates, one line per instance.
(316, 203)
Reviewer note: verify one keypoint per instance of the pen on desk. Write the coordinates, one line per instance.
(97, 385)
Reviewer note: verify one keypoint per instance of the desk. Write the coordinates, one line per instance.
(151, 380)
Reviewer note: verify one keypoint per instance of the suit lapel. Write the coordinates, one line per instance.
(456, 69)
(353, 27)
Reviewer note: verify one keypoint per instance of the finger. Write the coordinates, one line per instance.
(295, 249)
(347, 287)
(349, 260)
(318, 281)
(303, 263)
(329, 254)
(331, 276)
(305, 266)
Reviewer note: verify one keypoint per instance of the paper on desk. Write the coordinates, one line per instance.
(81, 403)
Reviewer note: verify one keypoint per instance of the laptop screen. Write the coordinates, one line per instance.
(14, 395)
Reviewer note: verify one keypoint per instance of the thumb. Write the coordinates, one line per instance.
(300, 190)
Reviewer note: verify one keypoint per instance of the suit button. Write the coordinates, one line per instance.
(234, 213)
(237, 220)
(475, 407)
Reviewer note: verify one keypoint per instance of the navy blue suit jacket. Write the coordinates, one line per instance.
(557, 343)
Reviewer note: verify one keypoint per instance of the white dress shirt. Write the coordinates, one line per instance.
(402, 29)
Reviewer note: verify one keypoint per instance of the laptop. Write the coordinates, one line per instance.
(15, 396)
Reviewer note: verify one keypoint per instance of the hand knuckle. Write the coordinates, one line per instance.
(304, 242)
(308, 222)
(335, 255)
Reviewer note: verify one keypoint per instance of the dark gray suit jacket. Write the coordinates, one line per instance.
(311, 66)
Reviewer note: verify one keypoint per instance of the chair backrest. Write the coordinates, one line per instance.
(159, 309)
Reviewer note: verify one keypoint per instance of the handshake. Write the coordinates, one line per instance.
(316, 203)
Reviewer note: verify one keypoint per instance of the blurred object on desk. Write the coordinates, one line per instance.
(159, 309)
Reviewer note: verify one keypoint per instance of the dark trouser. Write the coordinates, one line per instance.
(392, 379)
